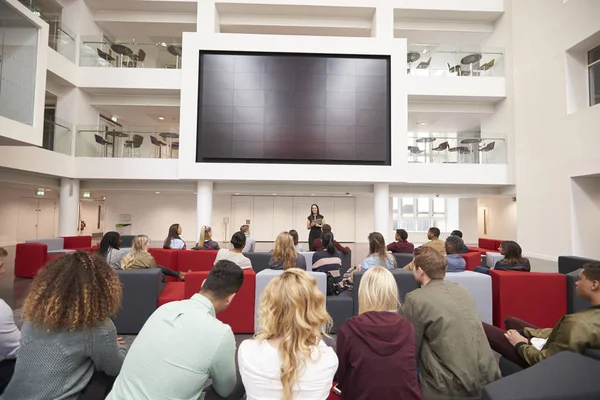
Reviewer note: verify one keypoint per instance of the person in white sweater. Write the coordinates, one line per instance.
(10, 336)
(238, 240)
(288, 358)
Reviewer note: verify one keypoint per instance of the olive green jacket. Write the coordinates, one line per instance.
(574, 332)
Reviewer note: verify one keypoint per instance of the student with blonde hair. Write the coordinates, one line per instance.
(139, 258)
(287, 359)
(285, 255)
(205, 241)
(377, 348)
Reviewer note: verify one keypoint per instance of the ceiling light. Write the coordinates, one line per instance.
(163, 44)
(195, 192)
(425, 51)
(274, 194)
(237, 193)
(312, 194)
(87, 195)
(422, 123)
(103, 197)
(161, 118)
(157, 192)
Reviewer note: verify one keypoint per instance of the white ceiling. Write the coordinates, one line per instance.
(444, 122)
(446, 15)
(169, 6)
(143, 115)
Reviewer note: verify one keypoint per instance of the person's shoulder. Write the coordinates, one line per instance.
(5, 310)
(248, 345)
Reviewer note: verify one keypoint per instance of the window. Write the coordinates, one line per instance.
(419, 214)
(594, 75)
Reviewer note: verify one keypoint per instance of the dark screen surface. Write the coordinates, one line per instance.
(294, 108)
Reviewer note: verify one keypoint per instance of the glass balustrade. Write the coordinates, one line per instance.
(457, 148)
(58, 136)
(133, 141)
(97, 52)
(447, 60)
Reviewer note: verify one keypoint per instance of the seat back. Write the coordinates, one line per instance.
(489, 244)
(403, 259)
(480, 287)
(127, 241)
(166, 257)
(30, 258)
(138, 139)
(141, 288)
(53, 244)
(260, 261)
(197, 260)
(154, 141)
(473, 259)
(568, 264)
(405, 281)
(99, 139)
(78, 242)
(308, 255)
(141, 55)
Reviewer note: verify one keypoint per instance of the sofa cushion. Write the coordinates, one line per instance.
(308, 255)
(488, 244)
(340, 308)
(473, 249)
(197, 260)
(260, 261)
(568, 264)
(405, 281)
(141, 289)
(77, 242)
(403, 259)
(173, 291)
(30, 258)
(480, 287)
(473, 259)
(53, 243)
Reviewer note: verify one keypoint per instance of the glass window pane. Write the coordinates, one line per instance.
(594, 84)
(439, 206)
(441, 224)
(408, 224)
(423, 206)
(593, 55)
(423, 225)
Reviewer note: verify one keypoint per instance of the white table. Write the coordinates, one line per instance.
(492, 258)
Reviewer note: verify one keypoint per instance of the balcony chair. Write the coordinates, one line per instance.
(415, 151)
(487, 66)
(159, 145)
(444, 146)
(424, 64)
(456, 70)
(486, 149)
(132, 145)
(138, 59)
(461, 150)
(101, 146)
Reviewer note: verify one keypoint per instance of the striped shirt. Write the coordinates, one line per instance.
(325, 262)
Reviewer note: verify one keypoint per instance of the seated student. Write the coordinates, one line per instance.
(455, 357)
(377, 348)
(183, 345)
(401, 245)
(238, 240)
(285, 255)
(139, 258)
(250, 243)
(10, 336)
(109, 249)
(205, 241)
(526, 345)
(297, 245)
(512, 261)
(458, 233)
(173, 240)
(328, 260)
(454, 259)
(433, 234)
(378, 255)
(69, 349)
(288, 358)
(318, 242)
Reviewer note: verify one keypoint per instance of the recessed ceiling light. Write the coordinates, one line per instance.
(274, 194)
(422, 123)
(103, 197)
(237, 193)
(161, 118)
(312, 194)
(163, 44)
(157, 192)
(425, 51)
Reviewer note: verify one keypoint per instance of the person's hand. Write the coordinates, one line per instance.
(515, 337)
(120, 341)
(358, 268)
(313, 223)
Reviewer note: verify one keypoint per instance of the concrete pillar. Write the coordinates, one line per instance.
(68, 207)
(204, 205)
(381, 208)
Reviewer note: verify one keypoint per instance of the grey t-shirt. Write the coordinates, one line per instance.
(300, 263)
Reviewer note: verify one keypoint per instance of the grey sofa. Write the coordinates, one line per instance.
(480, 287)
(141, 289)
(405, 281)
(127, 241)
(568, 264)
(403, 259)
(574, 302)
(260, 261)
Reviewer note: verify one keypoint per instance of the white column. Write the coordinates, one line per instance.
(68, 207)
(207, 17)
(204, 205)
(383, 22)
(381, 208)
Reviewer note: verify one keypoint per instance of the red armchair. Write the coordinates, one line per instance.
(173, 291)
(78, 243)
(240, 313)
(473, 259)
(486, 245)
(30, 258)
(538, 298)
(197, 260)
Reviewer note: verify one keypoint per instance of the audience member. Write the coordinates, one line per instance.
(288, 358)
(10, 336)
(109, 248)
(401, 245)
(512, 261)
(454, 258)
(140, 258)
(314, 223)
(318, 243)
(458, 233)
(526, 345)
(238, 240)
(183, 344)
(377, 348)
(174, 240)
(297, 245)
(378, 255)
(250, 243)
(205, 241)
(328, 260)
(455, 357)
(285, 255)
(70, 349)
(433, 234)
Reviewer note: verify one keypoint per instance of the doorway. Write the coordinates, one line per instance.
(36, 219)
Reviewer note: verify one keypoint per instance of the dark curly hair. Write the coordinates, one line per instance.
(76, 291)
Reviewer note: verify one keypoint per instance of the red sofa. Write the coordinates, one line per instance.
(173, 291)
(485, 245)
(31, 257)
(167, 258)
(197, 260)
(473, 259)
(538, 298)
(78, 243)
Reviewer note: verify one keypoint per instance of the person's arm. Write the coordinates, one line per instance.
(564, 337)
(390, 247)
(343, 351)
(543, 333)
(10, 335)
(412, 314)
(309, 224)
(106, 354)
(341, 248)
(222, 369)
(216, 246)
(153, 262)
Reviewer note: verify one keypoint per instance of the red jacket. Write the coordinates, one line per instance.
(402, 247)
(377, 358)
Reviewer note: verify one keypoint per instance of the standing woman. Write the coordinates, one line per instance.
(173, 240)
(110, 249)
(205, 241)
(314, 223)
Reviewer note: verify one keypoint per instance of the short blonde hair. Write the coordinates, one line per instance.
(378, 291)
(292, 308)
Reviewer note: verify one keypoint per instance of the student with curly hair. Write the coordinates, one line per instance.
(110, 249)
(69, 347)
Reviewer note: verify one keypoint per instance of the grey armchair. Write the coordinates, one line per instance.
(141, 289)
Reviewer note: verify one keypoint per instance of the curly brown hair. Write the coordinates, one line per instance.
(76, 291)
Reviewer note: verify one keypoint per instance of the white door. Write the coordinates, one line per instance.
(283, 215)
(46, 218)
(242, 212)
(27, 219)
(262, 229)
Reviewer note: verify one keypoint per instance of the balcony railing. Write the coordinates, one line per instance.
(103, 53)
(460, 148)
(445, 60)
(127, 142)
(58, 136)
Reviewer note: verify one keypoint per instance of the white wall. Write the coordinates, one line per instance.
(501, 221)
(89, 213)
(468, 224)
(585, 205)
(551, 146)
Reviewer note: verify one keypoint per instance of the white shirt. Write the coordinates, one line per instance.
(241, 260)
(260, 365)
(250, 243)
(10, 336)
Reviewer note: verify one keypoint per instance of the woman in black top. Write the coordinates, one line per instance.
(314, 223)
(512, 261)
